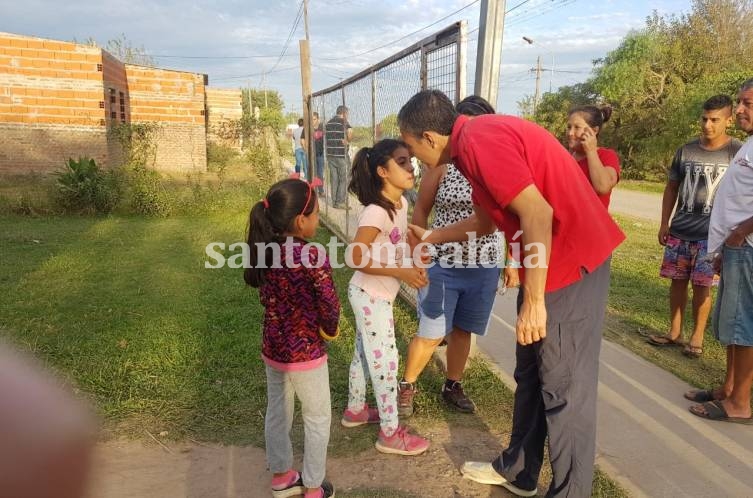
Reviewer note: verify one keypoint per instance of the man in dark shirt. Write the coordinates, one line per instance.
(694, 175)
(337, 135)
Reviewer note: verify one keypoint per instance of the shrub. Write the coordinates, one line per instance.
(219, 155)
(146, 194)
(83, 187)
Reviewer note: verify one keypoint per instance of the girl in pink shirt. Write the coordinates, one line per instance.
(381, 258)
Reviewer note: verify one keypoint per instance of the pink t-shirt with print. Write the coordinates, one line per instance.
(388, 248)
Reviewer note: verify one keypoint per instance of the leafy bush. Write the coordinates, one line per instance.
(219, 157)
(146, 194)
(83, 187)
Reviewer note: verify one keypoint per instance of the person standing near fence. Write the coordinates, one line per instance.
(319, 151)
(337, 135)
(529, 185)
(379, 255)
(300, 149)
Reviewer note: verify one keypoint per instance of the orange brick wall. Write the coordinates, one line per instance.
(55, 103)
(222, 105)
(175, 100)
(50, 94)
(49, 82)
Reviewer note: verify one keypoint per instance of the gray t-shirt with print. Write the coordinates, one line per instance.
(698, 171)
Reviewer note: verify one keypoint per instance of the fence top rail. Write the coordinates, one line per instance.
(437, 40)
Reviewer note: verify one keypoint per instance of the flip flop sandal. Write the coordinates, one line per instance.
(692, 351)
(700, 395)
(714, 410)
(664, 340)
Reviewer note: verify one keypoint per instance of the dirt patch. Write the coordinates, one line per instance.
(131, 469)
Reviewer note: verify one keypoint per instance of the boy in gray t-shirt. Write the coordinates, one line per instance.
(694, 175)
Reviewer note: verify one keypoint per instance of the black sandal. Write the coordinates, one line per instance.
(664, 340)
(700, 395)
(714, 410)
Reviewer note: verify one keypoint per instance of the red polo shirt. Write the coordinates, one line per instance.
(502, 155)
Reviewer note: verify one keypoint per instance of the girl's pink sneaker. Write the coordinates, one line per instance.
(401, 443)
(365, 416)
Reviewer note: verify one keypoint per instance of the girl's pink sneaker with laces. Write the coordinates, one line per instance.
(365, 416)
(401, 443)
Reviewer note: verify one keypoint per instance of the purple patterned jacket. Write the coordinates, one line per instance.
(297, 303)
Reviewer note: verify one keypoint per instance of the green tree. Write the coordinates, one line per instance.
(125, 51)
(657, 79)
(269, 105)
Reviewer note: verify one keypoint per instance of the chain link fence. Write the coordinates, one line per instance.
(373, 98)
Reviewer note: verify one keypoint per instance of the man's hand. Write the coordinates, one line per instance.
(531, 325)
(716, 263)
(735, 239)
(663, 234)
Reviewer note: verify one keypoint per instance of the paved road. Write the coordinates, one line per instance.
(639, 204)
(647, 440)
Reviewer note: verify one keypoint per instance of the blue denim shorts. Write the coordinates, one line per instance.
(733, 314)
(456, 297)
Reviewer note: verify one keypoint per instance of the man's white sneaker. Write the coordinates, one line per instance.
(484, 473)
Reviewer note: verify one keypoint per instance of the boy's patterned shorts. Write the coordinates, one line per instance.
(688, 260)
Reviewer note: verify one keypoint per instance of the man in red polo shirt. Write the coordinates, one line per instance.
(524, 180)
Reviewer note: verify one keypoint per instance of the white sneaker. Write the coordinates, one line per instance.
(484, 473)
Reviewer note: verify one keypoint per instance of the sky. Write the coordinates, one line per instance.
(240, 43)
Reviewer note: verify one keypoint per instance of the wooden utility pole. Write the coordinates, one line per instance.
(537, 95)
(489, 53)
(306, 91)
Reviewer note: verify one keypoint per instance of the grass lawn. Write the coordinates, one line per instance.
(639, 305)
(124, 309)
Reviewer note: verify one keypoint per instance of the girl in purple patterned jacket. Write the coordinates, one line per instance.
(301, 312)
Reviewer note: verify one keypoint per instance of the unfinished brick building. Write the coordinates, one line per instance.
(58, 99)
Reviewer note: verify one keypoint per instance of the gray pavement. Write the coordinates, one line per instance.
(639, 204)
(646, 438)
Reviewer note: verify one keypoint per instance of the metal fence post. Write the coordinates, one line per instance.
(373, 108)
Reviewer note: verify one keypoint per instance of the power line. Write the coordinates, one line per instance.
(515, 7)
(171, 56)
(401, 38)
(290, 37)
(528, 16)
(240, 77)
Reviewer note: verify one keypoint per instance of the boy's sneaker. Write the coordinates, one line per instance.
(365, 416)
(405, 394)
(294, 489)
(401, 443)
(456, 397)
(327, 490)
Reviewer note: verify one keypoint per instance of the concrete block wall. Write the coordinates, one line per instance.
(50, 98)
